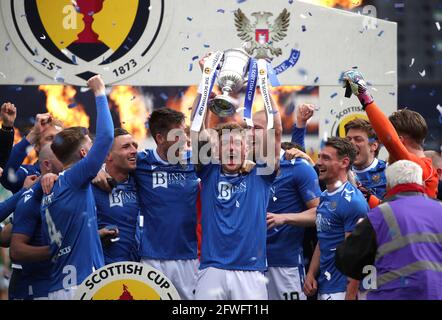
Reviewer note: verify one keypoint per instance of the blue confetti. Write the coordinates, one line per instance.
(29, 79)
(18, 89)
(327, 121)
(392, 93)
(7, 46)
(36, 51)
(190, 67)
(220, 10)
(302, 72)
(290, 1)
(74, 59)
(185, 48)
(381, 33)
(59, 79)
(310, 14)
(433, 93)
(333, 95)
(194, 58)
(206, 46)
(189, 18)
(303, 28)
(72, 105)
(316, 80)
(164, 96)
(240, 1)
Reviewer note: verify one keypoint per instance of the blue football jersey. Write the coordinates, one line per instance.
(337, 213)
(167, 194)
(373, 177)
(69, 214)
(233, 219)
(27, 220)
(296, 184)
(119, 208)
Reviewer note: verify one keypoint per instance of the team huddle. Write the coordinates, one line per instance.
(229, 228)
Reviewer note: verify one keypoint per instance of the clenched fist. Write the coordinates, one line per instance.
(8, 113)
(96, 84)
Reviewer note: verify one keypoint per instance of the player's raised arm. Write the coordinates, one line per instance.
(86, 169)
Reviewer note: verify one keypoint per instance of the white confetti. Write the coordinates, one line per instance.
(303, 16)
(390, 72)
(439, 107)
(84, 89)
(412, 62)
(423, 73)
(274, 199)
(438, 26)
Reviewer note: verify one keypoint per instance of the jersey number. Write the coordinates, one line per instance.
(54, 234)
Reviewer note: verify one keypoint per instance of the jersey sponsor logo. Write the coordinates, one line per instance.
(164, 179)
(127, 281)
(322, 224)
(226, 189)
(69, 41)
(118, 198)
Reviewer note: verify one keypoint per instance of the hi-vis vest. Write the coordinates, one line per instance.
(409, 255)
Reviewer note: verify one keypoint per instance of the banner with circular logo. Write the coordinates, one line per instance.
(70, 41)
(127, 281)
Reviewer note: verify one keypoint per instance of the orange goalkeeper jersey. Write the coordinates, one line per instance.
(390, 139)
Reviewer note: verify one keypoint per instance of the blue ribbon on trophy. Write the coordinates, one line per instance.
(206, 86)
(250, 91)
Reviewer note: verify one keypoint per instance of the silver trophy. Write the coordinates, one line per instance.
(231, 78)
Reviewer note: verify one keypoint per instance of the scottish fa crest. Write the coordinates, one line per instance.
(262, 35)
(71, 40)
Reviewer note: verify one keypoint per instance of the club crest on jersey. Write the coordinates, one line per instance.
(376, 178)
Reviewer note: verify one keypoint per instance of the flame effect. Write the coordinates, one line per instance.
(59, 98)
(184, 103)
(132, 110)
(344, 4)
